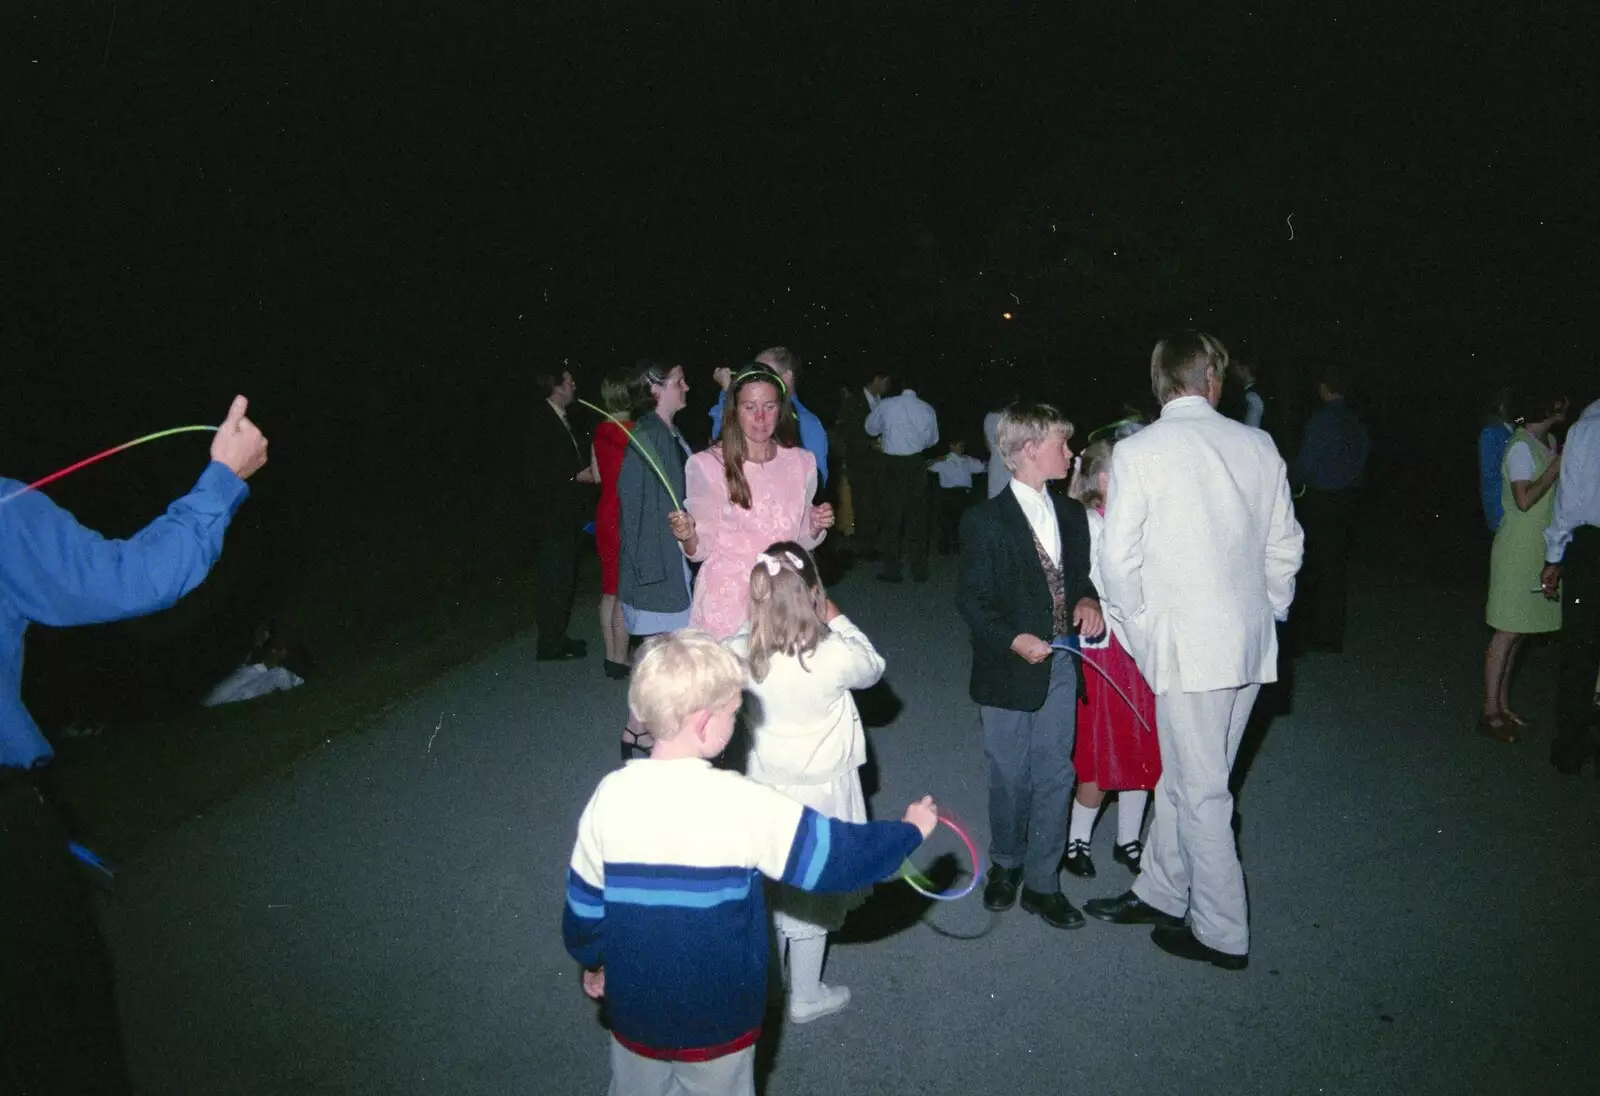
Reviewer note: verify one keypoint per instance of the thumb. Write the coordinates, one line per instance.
(236, 412)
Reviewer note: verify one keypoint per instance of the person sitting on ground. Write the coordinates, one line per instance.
(665, 909)
(807, 739)
(273, 665)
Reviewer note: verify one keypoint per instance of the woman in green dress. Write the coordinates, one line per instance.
(1517, 607)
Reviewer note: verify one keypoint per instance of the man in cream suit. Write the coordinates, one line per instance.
(1199, 558)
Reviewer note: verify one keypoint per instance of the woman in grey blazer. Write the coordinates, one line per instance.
(653, 582)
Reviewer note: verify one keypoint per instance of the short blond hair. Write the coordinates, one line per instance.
(678, 675)
(1179, 363)
(1022, 423)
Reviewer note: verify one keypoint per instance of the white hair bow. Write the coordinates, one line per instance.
(773, 564)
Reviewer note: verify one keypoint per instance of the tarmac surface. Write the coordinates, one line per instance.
(385, 917)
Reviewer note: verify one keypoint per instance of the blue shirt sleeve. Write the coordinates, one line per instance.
(716, 414)
(813, 437)
(57, 572)
(1491, 452)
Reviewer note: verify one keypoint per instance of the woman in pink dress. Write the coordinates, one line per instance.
(1114, 750)
(751, 489)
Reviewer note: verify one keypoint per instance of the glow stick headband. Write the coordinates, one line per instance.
(759, 372)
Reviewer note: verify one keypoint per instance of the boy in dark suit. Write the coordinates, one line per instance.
(1024, 583)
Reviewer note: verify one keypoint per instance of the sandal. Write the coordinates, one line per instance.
(1497, 727)
(635, 746)
(1515, 718)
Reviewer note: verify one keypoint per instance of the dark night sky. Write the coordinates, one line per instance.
(372, 218)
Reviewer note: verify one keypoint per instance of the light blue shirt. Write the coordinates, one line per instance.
(813, 436)
(56, 572)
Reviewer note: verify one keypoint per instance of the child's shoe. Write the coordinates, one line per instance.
(829, 1000)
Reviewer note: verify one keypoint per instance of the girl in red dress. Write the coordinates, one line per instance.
(1114, 751)
(610, 446)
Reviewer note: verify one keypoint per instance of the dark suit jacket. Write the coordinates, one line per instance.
(1003, 594)
(554, 457)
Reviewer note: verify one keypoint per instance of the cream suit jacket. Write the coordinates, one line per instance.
(1200, 549)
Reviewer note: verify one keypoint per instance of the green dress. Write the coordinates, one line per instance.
(1515, 603)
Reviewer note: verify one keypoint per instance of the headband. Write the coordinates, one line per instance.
(774, 564)
(763, 373)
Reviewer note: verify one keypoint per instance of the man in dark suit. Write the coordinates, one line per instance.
(1024, 583)
(558, 467)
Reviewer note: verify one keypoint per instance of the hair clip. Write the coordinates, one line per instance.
(770, 563)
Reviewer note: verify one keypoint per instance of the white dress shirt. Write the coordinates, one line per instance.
(999, 474)
(955, 470)
(1577, 486)
(1254, 407)
(906, 424)
(1041, 515)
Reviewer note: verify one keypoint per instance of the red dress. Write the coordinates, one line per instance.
(1113, 748)
(610, 446)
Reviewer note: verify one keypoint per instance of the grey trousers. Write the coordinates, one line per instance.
(1191, 862)
(635, 1075)
(1030, 779)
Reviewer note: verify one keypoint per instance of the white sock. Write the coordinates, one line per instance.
(1082, 827)
(805, 967)
(1130, 815)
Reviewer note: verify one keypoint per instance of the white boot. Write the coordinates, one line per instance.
(809, 997)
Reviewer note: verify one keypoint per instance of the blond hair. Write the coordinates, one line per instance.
(787, 603)
(1179, 364)
(1022, 423)
(678, 675)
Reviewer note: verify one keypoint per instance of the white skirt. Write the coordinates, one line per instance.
(802, 915)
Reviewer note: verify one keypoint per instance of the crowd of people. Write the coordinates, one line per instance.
(1161, 526)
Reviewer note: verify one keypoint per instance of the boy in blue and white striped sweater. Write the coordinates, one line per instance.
(664, 898)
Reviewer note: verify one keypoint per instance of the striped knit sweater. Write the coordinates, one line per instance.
(664, 892)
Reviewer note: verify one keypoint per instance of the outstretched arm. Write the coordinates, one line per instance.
(60, 573)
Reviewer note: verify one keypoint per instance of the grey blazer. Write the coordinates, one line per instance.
(650, 574)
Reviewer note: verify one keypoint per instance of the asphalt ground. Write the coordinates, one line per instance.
(384, 917)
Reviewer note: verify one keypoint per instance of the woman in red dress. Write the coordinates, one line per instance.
(1114, 750)
(610, 446)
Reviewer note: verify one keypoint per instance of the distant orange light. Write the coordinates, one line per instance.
(1005, 315)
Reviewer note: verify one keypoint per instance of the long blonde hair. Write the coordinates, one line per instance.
(787, 603)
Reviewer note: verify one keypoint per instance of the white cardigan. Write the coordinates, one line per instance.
(804, 725)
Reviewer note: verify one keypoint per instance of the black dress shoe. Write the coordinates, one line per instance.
(1053, 909)
(617, 671)
(1001, 891)
(1128, 855)
(1077, 860)
(569, 650)
(1128, 908)
(1182, 943)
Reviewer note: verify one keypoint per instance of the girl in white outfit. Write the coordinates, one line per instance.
(807, 739)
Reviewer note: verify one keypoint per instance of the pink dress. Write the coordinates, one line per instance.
(730, 537)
